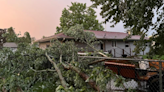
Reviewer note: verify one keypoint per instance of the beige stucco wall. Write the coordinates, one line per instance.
(44, 45)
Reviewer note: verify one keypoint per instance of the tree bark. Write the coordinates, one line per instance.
(97, 61)
(85, 77)
(81, 74)
(63, 82)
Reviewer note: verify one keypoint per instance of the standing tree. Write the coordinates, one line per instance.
(79, 13)
(139, 15)
(10, 35)
(27, 37)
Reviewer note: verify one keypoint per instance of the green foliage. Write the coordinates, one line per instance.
(141, 45)
(11, 36)
(43, 87)
(136, 14)
(79, 13)
(82, 36)
(157, 42)
(19, 69)
(28, 69)
(156, 57)
(141, 16)
(27, 37)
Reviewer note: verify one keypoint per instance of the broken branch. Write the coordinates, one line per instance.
(97, 61)
(81, 74)
(63, 82)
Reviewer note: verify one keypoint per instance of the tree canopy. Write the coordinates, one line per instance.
(25, 38)
(142, 16)
(55, 69)
(79, 13)
(11, 36)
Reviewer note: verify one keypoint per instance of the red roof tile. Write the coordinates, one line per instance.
(112, 35)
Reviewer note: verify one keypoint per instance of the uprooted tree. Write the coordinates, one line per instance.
(56, 69)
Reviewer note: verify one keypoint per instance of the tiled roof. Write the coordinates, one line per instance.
(112, 35)
(10, 45)
(98, 34)
(56, 36)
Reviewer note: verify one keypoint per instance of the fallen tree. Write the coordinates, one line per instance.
(30, 69)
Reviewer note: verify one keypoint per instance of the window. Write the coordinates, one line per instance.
(146, 44)
(113, 43)
(101, 46)
(126, 45)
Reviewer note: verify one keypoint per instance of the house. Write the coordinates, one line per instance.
(112, 42)
(13, 46)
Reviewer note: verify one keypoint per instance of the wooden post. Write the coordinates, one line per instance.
(130, 51)
(123, 51)
(114, 53)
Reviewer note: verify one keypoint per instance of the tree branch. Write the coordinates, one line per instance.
(44, 70)
(84, 77)
(81, 74)
(63, 82)
(96, 50)
(97, 61)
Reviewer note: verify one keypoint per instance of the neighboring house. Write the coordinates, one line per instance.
(13, 46)
(112, 42)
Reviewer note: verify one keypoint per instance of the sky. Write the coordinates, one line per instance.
(40, 17)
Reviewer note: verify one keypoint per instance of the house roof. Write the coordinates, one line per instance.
(10, 45)
(98, 34)
(56, 36)
(113, 35)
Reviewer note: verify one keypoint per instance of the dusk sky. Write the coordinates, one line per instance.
(39, 17)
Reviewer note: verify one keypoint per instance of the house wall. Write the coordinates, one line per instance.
(78, 44)
(120, 48)
(85, 47)
(146, 50)
(116, 51)
(44, 45)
